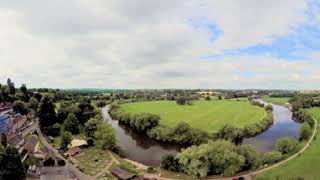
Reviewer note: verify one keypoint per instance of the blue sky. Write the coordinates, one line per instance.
(163, 44)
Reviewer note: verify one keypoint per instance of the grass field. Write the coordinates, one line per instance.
(93, 160)
(207, 115)
(279, 101)
(306, 166)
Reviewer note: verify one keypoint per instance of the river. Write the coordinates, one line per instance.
(138, 147)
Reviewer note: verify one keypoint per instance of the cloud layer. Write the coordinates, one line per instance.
(157, 44)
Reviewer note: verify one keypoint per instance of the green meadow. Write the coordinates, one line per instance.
(305, 166)
(207, 115)
(279, 101)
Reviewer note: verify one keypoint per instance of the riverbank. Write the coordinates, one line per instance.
(302, 165)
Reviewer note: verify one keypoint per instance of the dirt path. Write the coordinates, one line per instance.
(79, 174)
(105, 170)
(293, 156)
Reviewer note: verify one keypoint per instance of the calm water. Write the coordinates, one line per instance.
(138, 147)
(283, 126)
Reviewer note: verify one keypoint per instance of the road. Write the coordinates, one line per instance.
(80, 175)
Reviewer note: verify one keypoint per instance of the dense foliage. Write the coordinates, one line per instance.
(216, 157)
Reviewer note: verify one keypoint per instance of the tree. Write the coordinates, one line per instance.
(218, 157)
(231, 133)
(65, 140)
(72, 124)
(251, 155)
(91, 126)
(11, 166)
(46, 113)
(106, 136)
(3, 140)
(170, 162)
(272, 157)
(286, 145)
(12, 89)
(20, 107)
(208, 98)
(305, 131)
(33, 103)
(268, 107)
(24, 89)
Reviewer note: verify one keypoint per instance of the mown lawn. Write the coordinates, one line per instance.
(207, 115)
(93, 160)
(279, 101)
(306, 166)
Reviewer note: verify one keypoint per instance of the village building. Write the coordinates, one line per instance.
(30, 145)
(122, 174)
(17, 141)
(17, 123)
(73, 152)
(4, 123)
(77, 143)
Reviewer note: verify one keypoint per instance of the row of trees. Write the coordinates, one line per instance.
(224, 157)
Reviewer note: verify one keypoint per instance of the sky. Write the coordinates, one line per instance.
(135, 44)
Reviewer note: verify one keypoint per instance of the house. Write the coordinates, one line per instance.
(73, 152)
(4, 123)
(122, 174)
(78, 143)
(30, 144)
(17, 123)
(17, 141)
(56, 173)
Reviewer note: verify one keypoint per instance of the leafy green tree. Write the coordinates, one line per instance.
(46, 113)
(268, 107)
(170, 162)
(251, 155)
(12, 89)
(3, 140)
(218, 157)
(65, 139)
(91, 126)
(11, 166)
(286, 145)
(272, 157)
(106, 136)
(20, 107)
(72, 124)
(33, 103)
(305, 131)
(208, 98)
(230, 133)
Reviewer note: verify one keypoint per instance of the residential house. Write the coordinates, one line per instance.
(17, 123)
(122, 174)
(73, 152)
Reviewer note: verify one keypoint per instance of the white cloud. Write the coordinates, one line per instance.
(146, 44)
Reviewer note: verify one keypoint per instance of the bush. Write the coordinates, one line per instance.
(272, 157)
(305, 131)
(169, 162)
(268, 107)
(90, 141)
(286, 145)
(151, 170)
(251, 155)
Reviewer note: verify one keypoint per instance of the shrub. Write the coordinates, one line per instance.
(286, 145)
(170, 162)
(268, 107)
(305, 131)
(272, 157)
